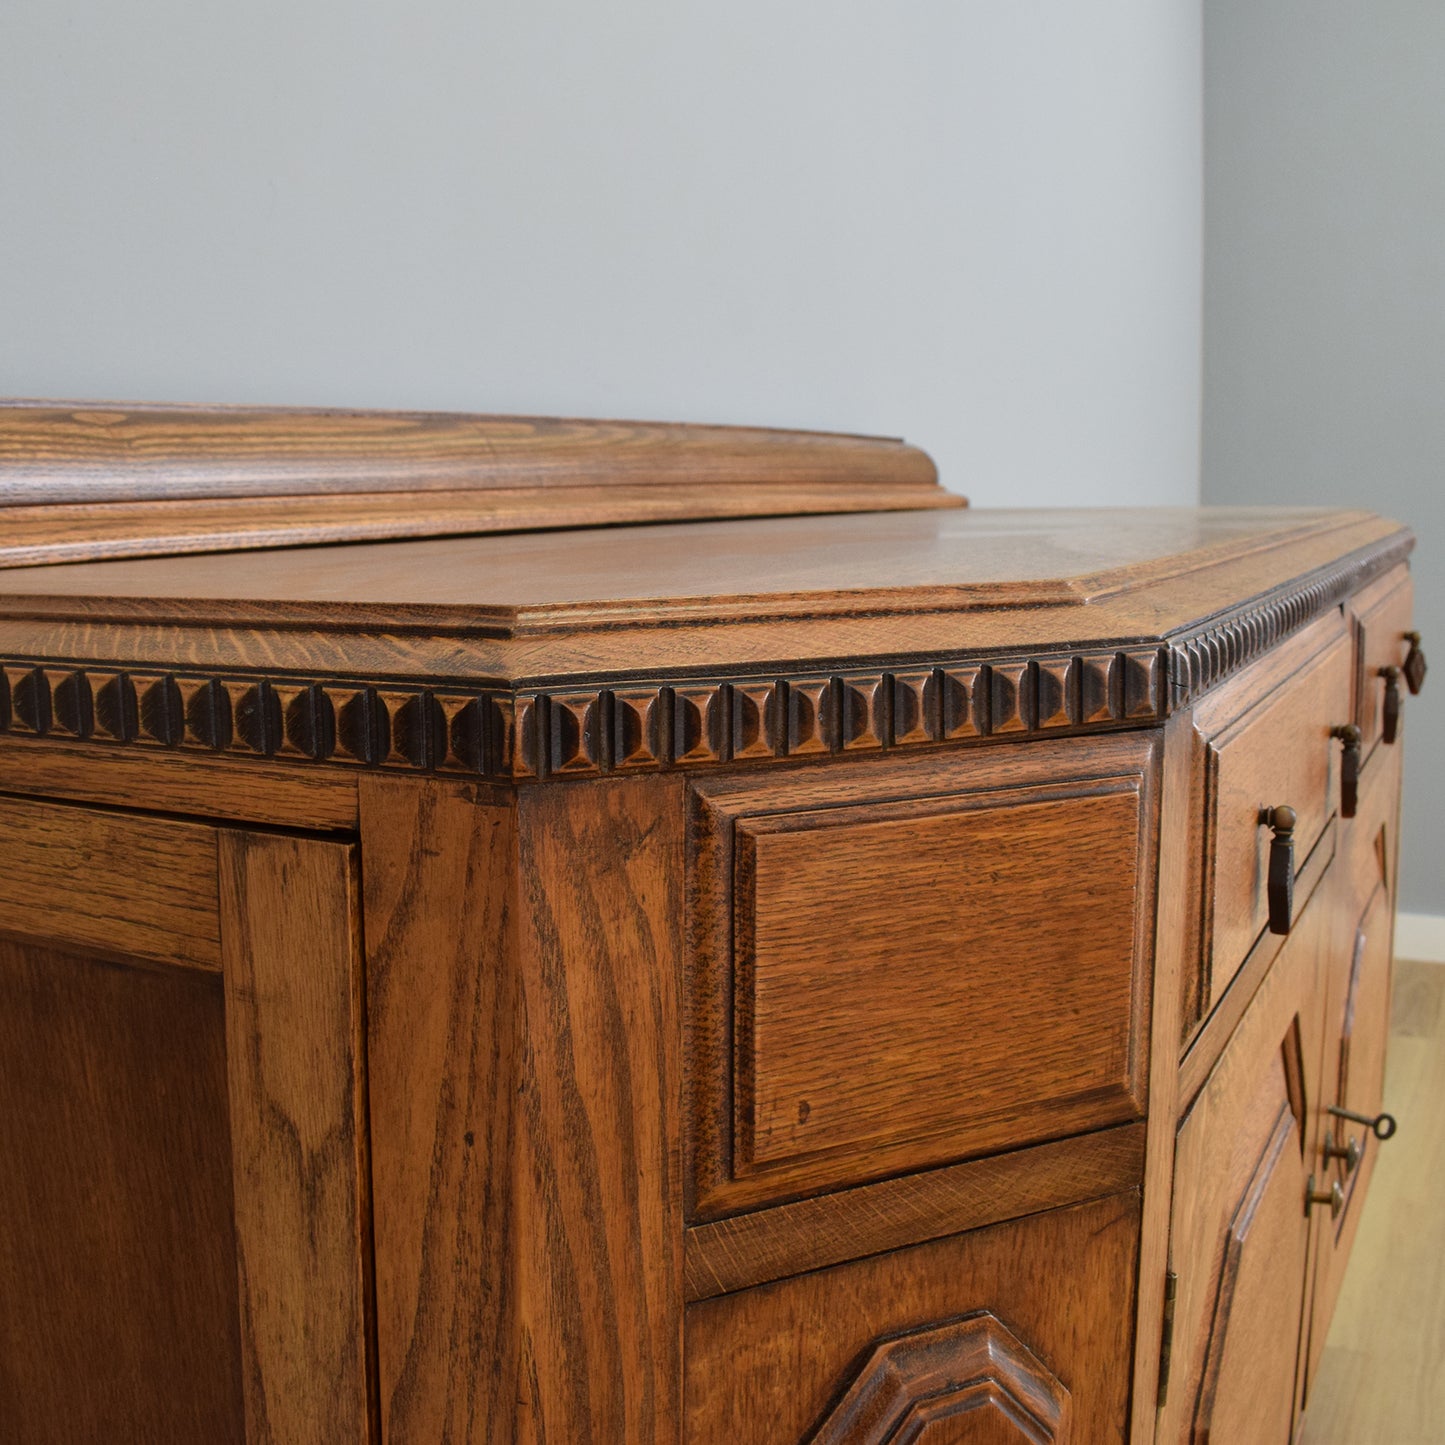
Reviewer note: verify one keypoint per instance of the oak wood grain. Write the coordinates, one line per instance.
(766, 1365)
(93, 451)
(1281, 752)
(572, 604)
(1176, 949)
(118, 1296)
(1356, 1019)
(989, 940)
(906, 960)
(1383, 618)
(173, 782)
(523, 966)
(1242, 1155)
(295, 1066)
(768, 1244)
(444, 1036)
(1210, 1041)
(88, 481)
(970, 1381)
(601, 1246)
(140, 888)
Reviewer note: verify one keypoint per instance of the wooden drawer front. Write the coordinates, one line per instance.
(918, 979)
(1019, 1333)
(1279, 752)
(1383, 620)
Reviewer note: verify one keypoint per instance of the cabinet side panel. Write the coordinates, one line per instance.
(439, 864)
(600, 1253)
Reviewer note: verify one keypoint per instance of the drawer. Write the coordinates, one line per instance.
(907, 965)
(1279, 752)
(1019, 1332)
(1382, 619)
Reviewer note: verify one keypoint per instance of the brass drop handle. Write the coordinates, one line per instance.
(1382, 1126)
(1391, 727)
(1350, 735)
(1415, 667)
(1351, 1153)
(1280, 882)
(1334, 1196)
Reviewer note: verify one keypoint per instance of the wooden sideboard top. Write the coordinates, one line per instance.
(590, 601)
(587, 649)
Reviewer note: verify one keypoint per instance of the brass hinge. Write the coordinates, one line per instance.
(1166, 1342)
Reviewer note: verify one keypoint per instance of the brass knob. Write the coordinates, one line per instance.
(1334, 1196)
(1351, 1153)
(1280, 882)
(1349, 734)
(1382, 1126)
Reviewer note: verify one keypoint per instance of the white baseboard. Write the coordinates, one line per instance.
(1420, 936)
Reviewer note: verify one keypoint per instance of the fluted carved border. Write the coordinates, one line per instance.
(493, 733)
(1203, 657)
(510, 734)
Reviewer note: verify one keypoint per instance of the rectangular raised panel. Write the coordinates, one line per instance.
(1280, 752)
(112, 882)
(976, 953)
(874, 1350)
(971, 959)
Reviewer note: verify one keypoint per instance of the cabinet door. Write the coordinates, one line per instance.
(1358, 973)
(181, 1149)
(1239, 1232)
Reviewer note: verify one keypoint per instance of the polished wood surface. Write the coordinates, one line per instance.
(81, 481)
(189, 784)
(118, 1296)
(110, 882)
(1357, 967)
(1280, 752)
(523, 975)
(1239, 1234)
(294, 1018)
(893, 931)
(442, 1039)
(748, 1249)
(1204, 591)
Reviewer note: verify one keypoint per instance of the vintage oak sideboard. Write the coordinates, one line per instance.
(520, 931)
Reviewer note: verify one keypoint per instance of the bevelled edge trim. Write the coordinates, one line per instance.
(679, 723)
(1203, 657)
(563, 733)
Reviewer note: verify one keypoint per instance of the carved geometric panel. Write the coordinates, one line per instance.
(1245, 1391)
(969, 1382)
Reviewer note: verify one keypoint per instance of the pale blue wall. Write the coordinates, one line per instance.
(1325, 300)
(974, 224)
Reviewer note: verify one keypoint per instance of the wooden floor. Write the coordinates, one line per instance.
(1382, 1379)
